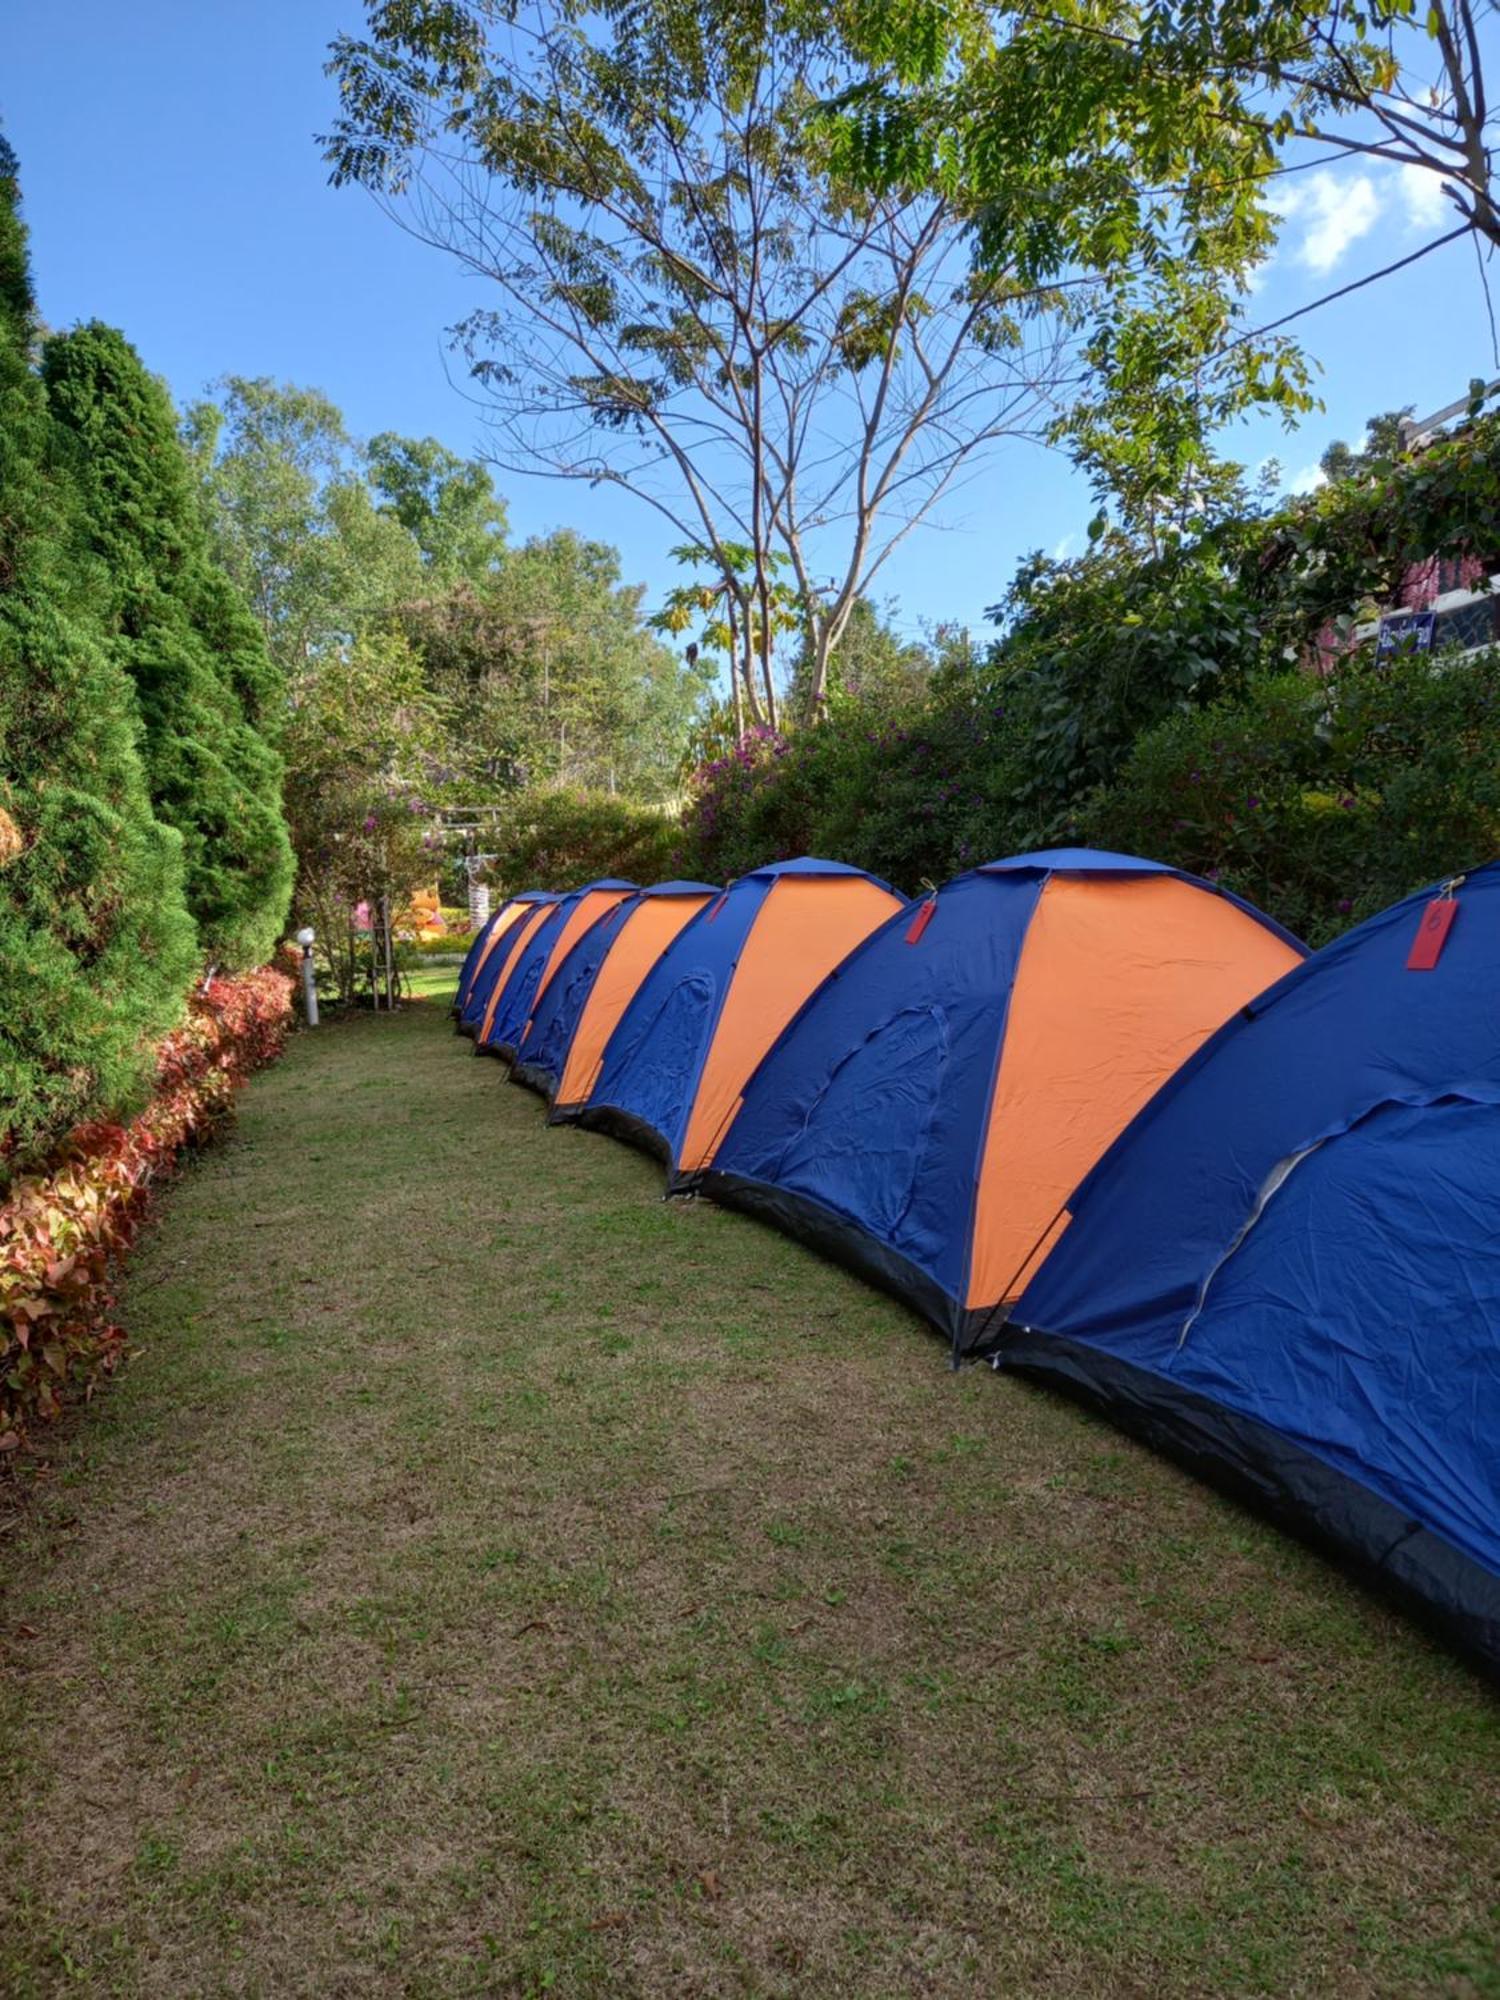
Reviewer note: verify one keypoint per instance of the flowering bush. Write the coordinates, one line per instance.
(62, 1231)
(910, 792)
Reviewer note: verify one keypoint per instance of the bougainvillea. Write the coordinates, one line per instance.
(63, 1231)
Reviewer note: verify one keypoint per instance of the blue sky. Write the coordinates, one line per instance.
(174, 188)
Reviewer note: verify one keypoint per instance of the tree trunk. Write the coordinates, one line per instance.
(822, 649)
(763, 593)
(734, 677)
(765, 663)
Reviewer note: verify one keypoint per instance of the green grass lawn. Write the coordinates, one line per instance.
(491, 1579)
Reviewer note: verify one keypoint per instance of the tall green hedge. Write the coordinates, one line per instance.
(96, 944)
(174, 622)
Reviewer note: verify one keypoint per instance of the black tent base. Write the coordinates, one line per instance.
(491, 1049)
(832, 1236)
(621, 1125)
(1442, 1588)
(542, 1081)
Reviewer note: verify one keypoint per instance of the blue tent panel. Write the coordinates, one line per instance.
(1287, 1269)
(473, 1010)
(543, 1054)
(869, 1112)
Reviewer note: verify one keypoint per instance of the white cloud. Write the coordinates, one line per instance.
(1308, 480)
(1064, 548)
(1420, 193)
(1335, 211)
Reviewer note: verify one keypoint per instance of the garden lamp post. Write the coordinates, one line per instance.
(309, 984)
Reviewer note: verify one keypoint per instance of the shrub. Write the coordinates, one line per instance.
(1322, 801)
(912, 793)
(203, 680)
(557, 839)
(61, 1232)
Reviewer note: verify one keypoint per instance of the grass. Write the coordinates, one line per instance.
(491, 1579)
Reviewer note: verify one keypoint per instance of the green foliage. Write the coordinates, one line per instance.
(549, 676)
(1100, 648)
(913, 794)
(1167, 704)
(1353, 541)
(557, 839)
(206, 690)
(1323, 801)
(363, 748)
(293, 520)
(96, 944)
(448, 505)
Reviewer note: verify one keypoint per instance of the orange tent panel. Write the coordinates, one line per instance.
(639, 945)
(587, 911)
(806, 927)
(1119, 982)
(534, 922)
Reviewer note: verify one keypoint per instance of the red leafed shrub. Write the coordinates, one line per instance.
(61, 1232)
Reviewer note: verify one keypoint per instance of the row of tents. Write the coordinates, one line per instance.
(1100, 1121)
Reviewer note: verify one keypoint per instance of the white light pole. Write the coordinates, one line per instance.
(309, 984)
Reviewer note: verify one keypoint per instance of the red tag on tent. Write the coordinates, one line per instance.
(717, 907)
(921, 920)
(1432, 934)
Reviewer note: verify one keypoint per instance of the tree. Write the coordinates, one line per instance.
(447, 504)
(550, 677)
(1207, 103)
(1382, 444)
(96, 944)
(875, 668)
(698, 303)
(729, 608)
(207, 692)
(364, 745)
(293, 520)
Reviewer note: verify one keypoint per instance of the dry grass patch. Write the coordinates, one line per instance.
(492, 1579)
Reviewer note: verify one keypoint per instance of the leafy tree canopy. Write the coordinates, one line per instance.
(766, 321)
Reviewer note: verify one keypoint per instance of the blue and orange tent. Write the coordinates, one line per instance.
(927, 1113)
(597, 981)
(718, 996)
(1287, 1271)
(490, 953)
(536, 958)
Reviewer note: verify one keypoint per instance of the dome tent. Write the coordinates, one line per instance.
(512, 924)
(533, 963)
(597, 982)
(718, 996)
(927, 1113)
(1287, 1271)
(485, 941)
